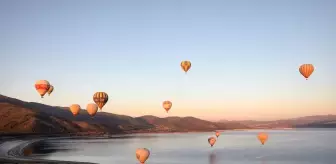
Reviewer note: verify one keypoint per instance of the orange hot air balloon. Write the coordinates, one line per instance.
(212, 141)
(100, 98)
(50, 90)
(263, 137)
(142, 154)
(75, 109)
(167, 105)
(92, 109)
(306, 70)
(186, 65)
(42, 87)
(217, 134)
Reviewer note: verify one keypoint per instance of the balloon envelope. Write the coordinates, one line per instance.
(142, 154)
(75, 109)
(42, 87)
(212, 141)
(167, 105)
(185, 65)
(217, 134)
(263, 137)
(306, 70)
(51, 89)
(100, 98)
(92, 109)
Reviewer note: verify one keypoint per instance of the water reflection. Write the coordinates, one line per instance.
(27, 151)
(212, 158)
(263, 161)
(236, 149)
(45, 147)
(131, 136)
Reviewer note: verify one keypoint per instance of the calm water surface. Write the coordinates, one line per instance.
(308, 146)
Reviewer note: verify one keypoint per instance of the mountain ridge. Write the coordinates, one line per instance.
(19, 116)
(299, 122)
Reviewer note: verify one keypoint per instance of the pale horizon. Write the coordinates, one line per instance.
(245, 56)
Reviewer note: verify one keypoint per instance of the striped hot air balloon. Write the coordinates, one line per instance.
(50, 90)
(100, 98)
(42, 87)
(185, 65)
(306, 70)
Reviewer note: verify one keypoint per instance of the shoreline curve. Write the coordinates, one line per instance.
(11, 151)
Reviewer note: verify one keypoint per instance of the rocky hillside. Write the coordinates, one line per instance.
(18, 116)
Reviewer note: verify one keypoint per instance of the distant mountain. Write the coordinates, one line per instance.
(18, 116)
(189, 124)
(319, 124)
(318, 121)
(30, 117)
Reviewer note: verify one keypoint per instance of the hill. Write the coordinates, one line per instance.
(183, 124)
(318, 121)
(29, 117)
(18, 116)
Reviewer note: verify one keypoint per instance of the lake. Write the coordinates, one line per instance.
(303, 146)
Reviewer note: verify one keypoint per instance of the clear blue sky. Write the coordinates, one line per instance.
(245, 55)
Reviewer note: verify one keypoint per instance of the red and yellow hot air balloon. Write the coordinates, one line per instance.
(42, 87)
(212, 141)
(92, 109)
(217, 134)
(75, 109)
(142, 154)
(263, 137)
(50, 90)
(100, 98)
(306, 70)
(167, 105)
(185, 65)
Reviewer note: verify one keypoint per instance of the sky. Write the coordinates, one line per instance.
(245, 55)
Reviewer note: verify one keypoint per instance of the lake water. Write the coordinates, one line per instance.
(304, 146)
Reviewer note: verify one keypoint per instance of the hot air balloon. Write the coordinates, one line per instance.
(50, 90)
(42, 87)
(212, 141)
(100, 98)
(217, 134)
(75, 108)
(263, 137)
(142, 155)
(306, 70)
(92, 109)
(167, 105)
(185, 65)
